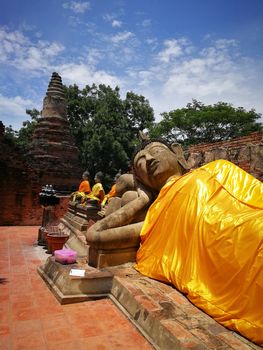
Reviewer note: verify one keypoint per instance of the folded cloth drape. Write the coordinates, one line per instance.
(204, 234)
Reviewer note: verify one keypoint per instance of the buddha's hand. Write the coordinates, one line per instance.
(144, 194)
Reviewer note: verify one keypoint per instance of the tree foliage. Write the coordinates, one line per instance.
(10, 135)
(197, 123)
(24, 135)
(106, 127)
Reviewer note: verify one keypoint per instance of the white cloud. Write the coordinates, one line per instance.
(116, 24)
(215, 73)
(172, 50)
(50, 49)
(92, 56)
(168, 78)
(121, 37)
(82, 75)
(225, 43)
(109, 17)
(18, 51)
(13, 110)
(146, 23)
(77, 6)
(13, 37)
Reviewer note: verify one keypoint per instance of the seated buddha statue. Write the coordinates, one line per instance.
(97, 193)
(93, 197)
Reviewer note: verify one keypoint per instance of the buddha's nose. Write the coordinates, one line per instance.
(149, 159)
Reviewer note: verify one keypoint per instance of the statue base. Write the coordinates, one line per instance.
(95, 284)
(111, 257)
(166, 318)
(75, 223)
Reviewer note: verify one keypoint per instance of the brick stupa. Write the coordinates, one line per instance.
(53, 154)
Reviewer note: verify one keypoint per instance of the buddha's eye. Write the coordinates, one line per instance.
(140, 163)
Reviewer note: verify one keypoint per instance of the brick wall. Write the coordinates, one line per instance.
(246, 152)
(20, 187)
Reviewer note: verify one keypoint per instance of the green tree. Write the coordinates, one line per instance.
(10, 135)
(198, 123)
(138, 111)
(106, 127)
(24, 135)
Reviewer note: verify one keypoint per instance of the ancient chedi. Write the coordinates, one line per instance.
(53, 154)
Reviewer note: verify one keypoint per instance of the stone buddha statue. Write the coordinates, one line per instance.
(115, 239)
(202, 234)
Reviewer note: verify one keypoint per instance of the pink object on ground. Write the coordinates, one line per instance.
(65, 256)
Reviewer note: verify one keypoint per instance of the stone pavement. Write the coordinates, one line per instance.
(32, 318)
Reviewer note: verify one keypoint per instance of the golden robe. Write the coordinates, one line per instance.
(109, 195)
(97, 193)
(204, 234)
(84, 186)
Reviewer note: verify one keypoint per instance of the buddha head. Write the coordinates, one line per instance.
(98, 177)
(156, 161)
(85, 175)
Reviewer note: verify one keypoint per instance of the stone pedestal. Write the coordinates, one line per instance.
(111, 257)
(75, 223)
(95, 284)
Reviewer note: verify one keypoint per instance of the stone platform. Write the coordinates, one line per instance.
(161, 313)
(95, 284)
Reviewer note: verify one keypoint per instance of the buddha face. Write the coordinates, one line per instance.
(155, 164)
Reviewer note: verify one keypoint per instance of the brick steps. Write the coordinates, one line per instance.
(167, 317)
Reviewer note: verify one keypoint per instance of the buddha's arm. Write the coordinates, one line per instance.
(122, 216)
(117, 226)
(117, 237)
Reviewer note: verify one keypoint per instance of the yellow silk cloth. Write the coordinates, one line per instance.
(204, 234)
(97, 192)
(112, 193)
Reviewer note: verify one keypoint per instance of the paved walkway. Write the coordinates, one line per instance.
(32, 318)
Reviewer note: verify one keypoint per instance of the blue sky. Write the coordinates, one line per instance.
(169, 51)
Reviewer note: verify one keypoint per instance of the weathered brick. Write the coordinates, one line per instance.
(208, 339)
(178, 298)
(187, 339)
(231, 339)
(146, 303)
(243, 151)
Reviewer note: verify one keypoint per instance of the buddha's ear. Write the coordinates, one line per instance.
(177, 149)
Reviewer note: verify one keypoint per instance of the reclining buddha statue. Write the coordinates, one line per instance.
(115, 239)
(203, 233)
